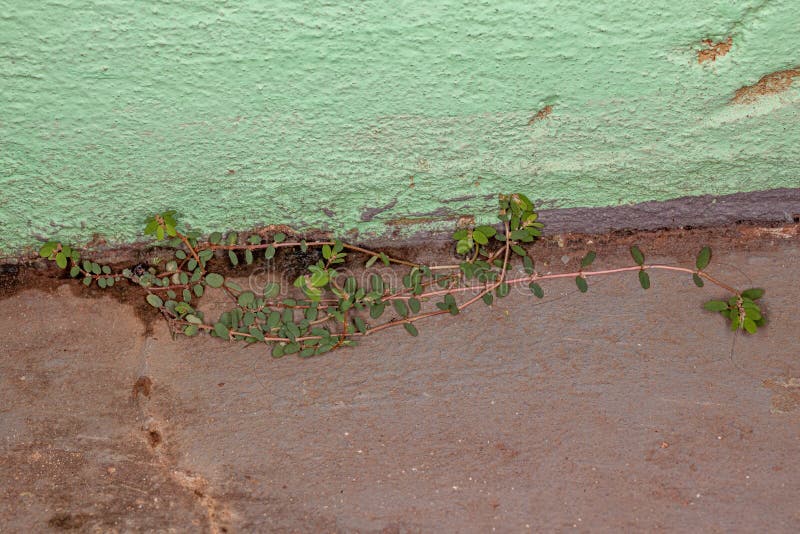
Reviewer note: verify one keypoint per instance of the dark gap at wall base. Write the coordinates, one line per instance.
(772, 206)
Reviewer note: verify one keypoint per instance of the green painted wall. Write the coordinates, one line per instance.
(316, 114)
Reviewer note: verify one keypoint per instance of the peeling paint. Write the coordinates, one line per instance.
(541, 115)
(714, 50)
(369, 214)
(770, 84)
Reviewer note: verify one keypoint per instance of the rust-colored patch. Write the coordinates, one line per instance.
(154, 438)
(541, 115)
(143, 385)
(773, 83)
(714, 50)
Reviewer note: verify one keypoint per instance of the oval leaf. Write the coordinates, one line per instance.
(637, 255)
(154, 300)
(214, 279)
(715, 305)
(703, 258)
(536, 289)
(582, 284)
(644, 279)
(754, 293)
(411, 329)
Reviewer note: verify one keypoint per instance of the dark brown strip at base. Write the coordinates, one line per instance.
(774, 205)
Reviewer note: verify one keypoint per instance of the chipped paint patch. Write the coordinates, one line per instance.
(541, 115)
(770, 84)
(369, 214)
(714, 50)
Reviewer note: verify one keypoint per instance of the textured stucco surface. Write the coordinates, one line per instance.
(312, 114)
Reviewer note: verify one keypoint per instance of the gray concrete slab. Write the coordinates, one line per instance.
(615, 410)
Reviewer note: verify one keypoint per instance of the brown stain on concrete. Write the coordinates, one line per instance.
(786, 391)
(541, 115)
(770, 84)
(714, 50)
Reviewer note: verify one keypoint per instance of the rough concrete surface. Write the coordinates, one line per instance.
(615, 410)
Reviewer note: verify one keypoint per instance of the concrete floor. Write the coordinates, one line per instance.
(615, 410)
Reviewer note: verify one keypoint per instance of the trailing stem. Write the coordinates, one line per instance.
(328, 309)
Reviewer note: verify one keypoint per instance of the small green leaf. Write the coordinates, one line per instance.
(248, 256)
(214, 280)
(697, 280)
(588, 259)
(502, 290)
(360, 325)
(414, 304)
(371, 261)
(193, 319)
(232, 285)
(221, 330)
(400, 307)
(376, 310)
(75, 271)
(303, 246)
(638, 257)
(246, 299)
(750, 325)
(582, 284)
(280, 237)
(101, 282)
(479, 237)
(271, 289)
(198, 290)
(48, 248)
(703, 258)
(191, 330)
(536, 289)
(753, 293)
(411, 329)
(715, 305)
(154, 300)
(277, 351)
(488, 298)
(527, 263)
(233, 257)
(488, 231)
(61, 260)
(326, 252)
(463, 246)
(519, 250)
(269, 252)
(214, 238)
(644, 279)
